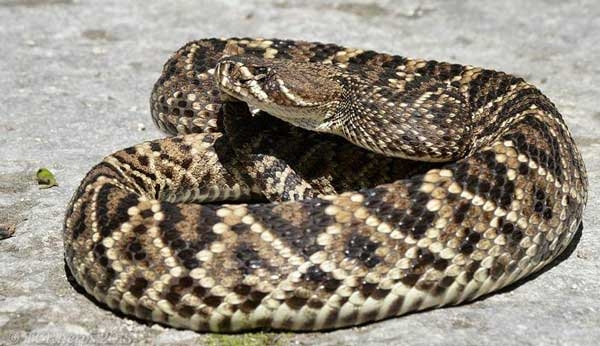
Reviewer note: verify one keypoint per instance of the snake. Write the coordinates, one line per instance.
(309, 186)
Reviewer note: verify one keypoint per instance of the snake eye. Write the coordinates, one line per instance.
(261, 72)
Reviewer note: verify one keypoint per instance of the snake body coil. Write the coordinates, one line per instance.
(376, 185)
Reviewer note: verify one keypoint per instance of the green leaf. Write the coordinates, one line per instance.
(45, 178)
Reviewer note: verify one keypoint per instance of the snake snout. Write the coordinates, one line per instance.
(241, 70)
(223, 71)
(242, 79)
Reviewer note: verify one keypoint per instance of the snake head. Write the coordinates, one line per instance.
(427, 122)
(299, 93)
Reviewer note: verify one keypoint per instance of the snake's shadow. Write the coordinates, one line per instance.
(563, 256)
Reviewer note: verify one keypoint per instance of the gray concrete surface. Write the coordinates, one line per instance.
(74, 83)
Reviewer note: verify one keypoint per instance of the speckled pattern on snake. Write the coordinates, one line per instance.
(310, 186)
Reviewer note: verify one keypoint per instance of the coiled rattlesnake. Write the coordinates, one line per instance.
(469, 180)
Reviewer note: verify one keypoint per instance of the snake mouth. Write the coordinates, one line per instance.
(237, 81)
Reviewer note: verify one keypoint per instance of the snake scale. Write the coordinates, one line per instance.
(310, 186)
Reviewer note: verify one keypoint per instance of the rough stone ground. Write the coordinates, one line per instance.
(75, 79)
